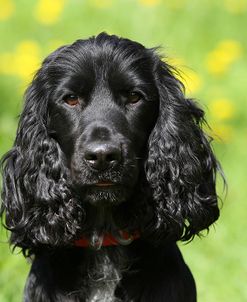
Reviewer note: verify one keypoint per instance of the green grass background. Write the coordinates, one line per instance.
(190, 32)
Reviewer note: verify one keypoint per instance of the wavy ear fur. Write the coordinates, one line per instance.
(181, 167)
(37, 202)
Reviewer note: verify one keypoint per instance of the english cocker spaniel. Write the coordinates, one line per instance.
(109, 169)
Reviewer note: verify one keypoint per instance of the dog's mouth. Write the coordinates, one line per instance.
(105, 184)
(104, 192)
(109, 187)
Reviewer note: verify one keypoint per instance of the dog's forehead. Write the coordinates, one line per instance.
(117, 63)
(103, 56)
(105, 49)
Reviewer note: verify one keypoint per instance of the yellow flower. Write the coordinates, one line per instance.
(236, 6)
(23, 62)
(222, 109)
(222, 133)
(27, 58)
(191, 80)
(49, 11)
(149, 2)
(102, 3)
(223, 56)
(177, 62)
(7, 8)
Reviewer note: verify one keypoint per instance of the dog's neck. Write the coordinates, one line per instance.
(107, 226)
(123, 238)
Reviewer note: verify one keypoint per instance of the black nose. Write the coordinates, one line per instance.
(102, 156)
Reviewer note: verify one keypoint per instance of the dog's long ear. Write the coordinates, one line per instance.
(37, 203)
(181, 167)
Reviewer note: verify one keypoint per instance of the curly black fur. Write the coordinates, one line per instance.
(165, 176)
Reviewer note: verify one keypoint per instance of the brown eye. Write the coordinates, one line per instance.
(71, 100)
(134, 97)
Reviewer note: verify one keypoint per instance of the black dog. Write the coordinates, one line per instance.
(110, 167)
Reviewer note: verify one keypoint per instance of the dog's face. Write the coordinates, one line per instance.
(106, 128)
(102, 112)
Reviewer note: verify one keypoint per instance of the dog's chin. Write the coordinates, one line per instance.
(105, 195)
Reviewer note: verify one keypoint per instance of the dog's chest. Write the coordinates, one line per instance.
(103, 279)
(102, 295)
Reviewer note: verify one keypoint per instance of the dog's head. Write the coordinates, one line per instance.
(106, 128)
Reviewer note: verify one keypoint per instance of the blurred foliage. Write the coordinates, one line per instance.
(206, 41)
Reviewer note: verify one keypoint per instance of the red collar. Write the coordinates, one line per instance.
(109, 240)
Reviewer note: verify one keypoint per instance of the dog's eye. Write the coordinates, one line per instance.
(134, 97)
(71, 99)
